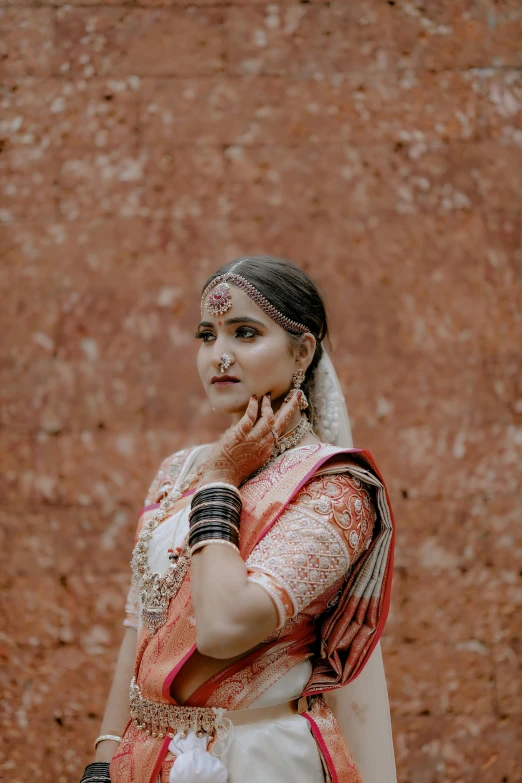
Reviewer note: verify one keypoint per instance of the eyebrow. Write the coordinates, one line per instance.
(242, 319)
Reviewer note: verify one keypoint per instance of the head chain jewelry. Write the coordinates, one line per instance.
(220, 300)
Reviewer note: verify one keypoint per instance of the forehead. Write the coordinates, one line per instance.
(242, 305)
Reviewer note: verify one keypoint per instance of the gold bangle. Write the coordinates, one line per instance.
(104, 737)
(209, 541)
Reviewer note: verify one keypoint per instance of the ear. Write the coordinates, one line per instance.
(306, 351)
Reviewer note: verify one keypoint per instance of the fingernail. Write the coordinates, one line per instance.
(254, 397)
(268, 395)
(299, 394)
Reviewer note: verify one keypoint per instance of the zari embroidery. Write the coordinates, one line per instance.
(302, 552)
(312, 545)
(346, 501)
(165, 478)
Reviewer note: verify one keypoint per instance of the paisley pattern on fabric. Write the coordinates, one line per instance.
(315, 540)
(337, 759)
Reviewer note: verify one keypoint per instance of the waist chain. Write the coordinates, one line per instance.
(158, 719)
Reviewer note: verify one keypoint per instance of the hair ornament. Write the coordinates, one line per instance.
(220, 300)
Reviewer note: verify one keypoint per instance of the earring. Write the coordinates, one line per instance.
(224, 362)
(297, 379)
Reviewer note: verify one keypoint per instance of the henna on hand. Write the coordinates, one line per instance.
(247, 445)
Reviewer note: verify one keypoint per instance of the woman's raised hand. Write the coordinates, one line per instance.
(247, 445)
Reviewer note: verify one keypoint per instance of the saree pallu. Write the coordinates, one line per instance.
(338, 631)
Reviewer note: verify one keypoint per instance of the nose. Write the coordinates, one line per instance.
(225, 361)
(222, 355)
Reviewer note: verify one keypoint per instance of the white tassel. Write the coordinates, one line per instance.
(193, 764)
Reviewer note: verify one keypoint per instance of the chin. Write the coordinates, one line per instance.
(230, 406)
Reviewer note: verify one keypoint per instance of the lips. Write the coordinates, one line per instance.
(224, 379)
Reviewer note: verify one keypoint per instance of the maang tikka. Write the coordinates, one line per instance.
(217, 299)
(297, 379)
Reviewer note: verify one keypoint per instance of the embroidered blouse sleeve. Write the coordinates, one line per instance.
(314, 542)
(165, 478)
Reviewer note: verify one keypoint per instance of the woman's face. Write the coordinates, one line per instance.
(262, 357)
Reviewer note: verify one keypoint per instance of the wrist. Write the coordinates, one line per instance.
(211, 476)
(106, 750)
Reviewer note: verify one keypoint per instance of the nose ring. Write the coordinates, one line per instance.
(224, 362)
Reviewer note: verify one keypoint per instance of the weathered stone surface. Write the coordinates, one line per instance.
(309, 39)
(505, 21)
(346, 180)
(379, 145)
(26, 41)
(439, 35)
(360, 106)
(138, 42)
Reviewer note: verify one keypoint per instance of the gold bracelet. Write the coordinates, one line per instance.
(210, 541)
(104, 737)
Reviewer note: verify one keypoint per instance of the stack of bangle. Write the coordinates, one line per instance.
(214, 518)
(97, 772)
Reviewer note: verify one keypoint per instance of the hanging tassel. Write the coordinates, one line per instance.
(193, 763)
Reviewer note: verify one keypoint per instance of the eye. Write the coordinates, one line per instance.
(206, 336)
(246, 331)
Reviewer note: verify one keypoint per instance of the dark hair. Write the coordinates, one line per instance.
(292, 292)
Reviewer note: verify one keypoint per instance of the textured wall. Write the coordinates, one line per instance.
(379, 144)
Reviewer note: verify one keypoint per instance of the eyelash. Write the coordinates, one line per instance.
(202, 335)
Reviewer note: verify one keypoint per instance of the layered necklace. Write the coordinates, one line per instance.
(155, 590)
(286, 442)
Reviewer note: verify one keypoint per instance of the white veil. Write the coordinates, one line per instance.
(361, 707)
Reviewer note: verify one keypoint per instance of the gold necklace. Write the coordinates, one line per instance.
(156, 590)
(284, 443)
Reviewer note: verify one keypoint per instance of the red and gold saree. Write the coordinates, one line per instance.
(318, 524)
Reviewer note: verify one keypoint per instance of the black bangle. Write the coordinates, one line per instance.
(202, 508)
(210, 495)
(197, 518)
(209, 508)
(218, 524)
(215, 502)
(226, 527)
(96, 772)
(228, 524)
(207, 495)
(218, 527)
(213, 537)
(213, 532)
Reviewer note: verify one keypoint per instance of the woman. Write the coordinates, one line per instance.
(261, 570)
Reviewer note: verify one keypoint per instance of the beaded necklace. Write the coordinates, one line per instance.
(156, 590)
